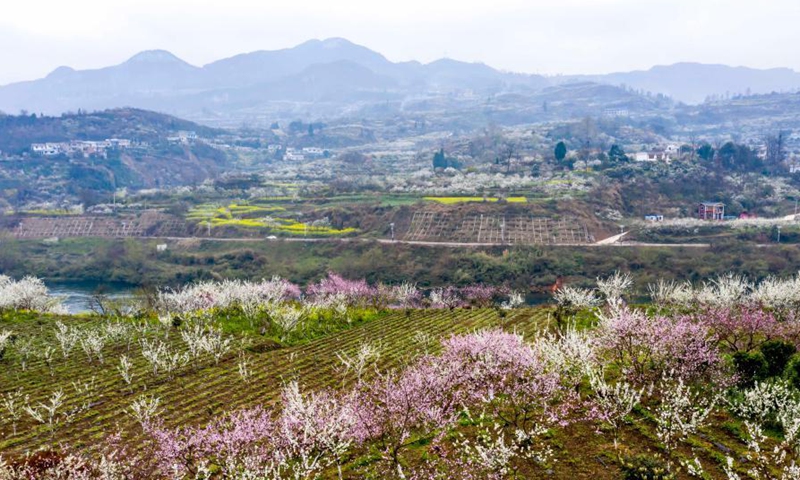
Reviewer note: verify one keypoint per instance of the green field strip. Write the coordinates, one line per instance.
(198, 389)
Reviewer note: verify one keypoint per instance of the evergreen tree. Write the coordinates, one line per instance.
(560, 151)
(439, 160)
(617, 154)
(706, 152)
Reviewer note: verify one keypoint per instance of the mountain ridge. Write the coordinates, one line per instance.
(694, 82)
(158, 79)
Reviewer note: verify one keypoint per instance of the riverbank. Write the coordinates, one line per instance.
(137, 262)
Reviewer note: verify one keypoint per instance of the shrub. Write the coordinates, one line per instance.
(750, 367)
(792, 371)
(644, 467)
(777, 355)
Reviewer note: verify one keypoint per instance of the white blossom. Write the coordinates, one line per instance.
(615, 286)
(143, 409)
(30, 293)
(577, 298)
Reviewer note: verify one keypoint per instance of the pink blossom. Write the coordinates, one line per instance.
(745, 328)
(355, 292)
(480, 295)
(647, 347)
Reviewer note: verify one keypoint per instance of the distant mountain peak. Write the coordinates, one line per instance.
(61, 71)
(336, 42)
(154, 56)
(333, 43)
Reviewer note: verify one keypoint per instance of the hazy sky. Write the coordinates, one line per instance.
(534, 36)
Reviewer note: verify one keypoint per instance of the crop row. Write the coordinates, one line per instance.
(197, 392)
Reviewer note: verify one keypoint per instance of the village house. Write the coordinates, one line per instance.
(661, 153)
(673, 150)
(119, 142)
(293, 155)
(46, 149)
(711, 211)
(651, 156)
(616, 112)
(182, 137)
(654, 217)
(313, 151)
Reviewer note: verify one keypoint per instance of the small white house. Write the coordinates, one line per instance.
(314, 151)
(182, 137)
(161, 247)
(293, 154)
(616, 112)
(652, 156)
(118, 142)
(673, 150)
(47, 149)
(654, 217)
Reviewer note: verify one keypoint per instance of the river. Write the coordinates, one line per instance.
(77, 296)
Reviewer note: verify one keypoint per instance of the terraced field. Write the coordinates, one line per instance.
(499, 229)
(148, 224)
(199, 390)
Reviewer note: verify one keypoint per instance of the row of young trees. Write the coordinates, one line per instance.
(331, 292)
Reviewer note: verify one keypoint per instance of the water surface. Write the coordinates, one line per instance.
(77, 296)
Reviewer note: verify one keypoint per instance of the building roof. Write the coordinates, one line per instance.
(712, 204)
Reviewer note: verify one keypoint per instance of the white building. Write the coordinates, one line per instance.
(119, 142)
(47, 149)
(616, 112)
(314, 151)
(652, 156)
(673, 150)
(182, 137)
